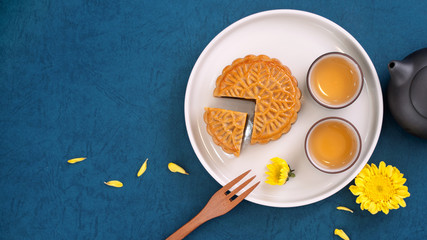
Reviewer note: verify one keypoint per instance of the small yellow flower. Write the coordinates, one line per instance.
(279, 172)
(380, 189)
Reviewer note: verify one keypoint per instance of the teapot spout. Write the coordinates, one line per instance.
(400, 72)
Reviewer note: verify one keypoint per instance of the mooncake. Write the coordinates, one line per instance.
(273, 88)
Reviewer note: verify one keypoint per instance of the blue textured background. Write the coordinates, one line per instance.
(106, 80)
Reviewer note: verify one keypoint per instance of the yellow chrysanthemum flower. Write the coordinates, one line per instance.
(380, 189)
(279, 172)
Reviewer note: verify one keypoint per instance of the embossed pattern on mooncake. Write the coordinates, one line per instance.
(226, 128)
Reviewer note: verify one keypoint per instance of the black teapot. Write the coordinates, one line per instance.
(407, 92)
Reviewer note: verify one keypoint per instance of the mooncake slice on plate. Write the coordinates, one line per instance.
(226, 128)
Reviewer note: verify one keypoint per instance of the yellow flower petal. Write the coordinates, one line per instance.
(272, 168)
(372, 208)
(365, 173)
(399, 182)
(397, 175)
(367, 167)
(76, 160)
(142, 169)
(345, 209)
(114, 183)
(384, 208)
(382, 167)
(392, 205)
(175, 168)
(403, 194)
(374, 169)
(396, 171)
(402, 202)
(402, 189)
(359, 182)
(389, 171)
(367, 204)
(356, 190)
(341, 234)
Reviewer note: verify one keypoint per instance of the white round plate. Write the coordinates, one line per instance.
(296, 38)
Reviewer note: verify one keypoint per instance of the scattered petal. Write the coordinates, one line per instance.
(345, 209)
(76, 160)
(175, 168)
(114, 183)
(143, 168)
(341, 234)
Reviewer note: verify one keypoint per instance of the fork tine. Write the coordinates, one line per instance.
(240, 187)
(243, 195)
(232, 183)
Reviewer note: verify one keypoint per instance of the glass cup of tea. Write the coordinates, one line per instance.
(335, 80)
(333, 145)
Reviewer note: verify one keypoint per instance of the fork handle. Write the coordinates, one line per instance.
(194, 223)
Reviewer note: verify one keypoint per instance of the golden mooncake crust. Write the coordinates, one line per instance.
(271, 85)
(226, 128)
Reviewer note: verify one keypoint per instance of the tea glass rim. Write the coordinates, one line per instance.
(345, 104)
(353, 161)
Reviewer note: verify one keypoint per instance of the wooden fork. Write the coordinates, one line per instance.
(219, 204)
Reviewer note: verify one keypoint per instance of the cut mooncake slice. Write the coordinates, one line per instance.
(226, 128)
(271, 85)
